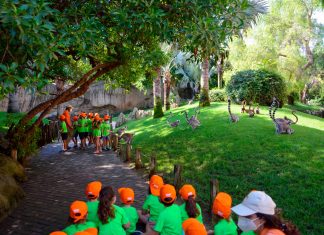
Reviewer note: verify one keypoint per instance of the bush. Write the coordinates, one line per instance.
(217, 95)
(258, 86)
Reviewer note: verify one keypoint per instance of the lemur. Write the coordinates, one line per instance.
(232, 117)
(243, 109)
(257, 110)
(173, 124)
(251, 111)
(193, 120)
(282, 124)
(128, 137)
(121, 131)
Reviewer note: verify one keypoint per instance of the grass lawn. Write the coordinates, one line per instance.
(244, 156)
(303, 107)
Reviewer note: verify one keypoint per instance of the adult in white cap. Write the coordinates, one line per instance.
(257, 213)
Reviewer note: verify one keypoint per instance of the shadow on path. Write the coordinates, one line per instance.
(57, 179)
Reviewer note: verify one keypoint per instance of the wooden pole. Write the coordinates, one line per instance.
(138, 160)
(122, 151)
(214, 189)
(128, 152)
(115, 142)
(152, 166)
(177, 176)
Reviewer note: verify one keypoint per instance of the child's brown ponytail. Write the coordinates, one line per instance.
(191, 207)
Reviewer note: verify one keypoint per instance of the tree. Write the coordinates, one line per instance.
(281, 43)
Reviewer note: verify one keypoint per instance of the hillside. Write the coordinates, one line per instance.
(243, 156)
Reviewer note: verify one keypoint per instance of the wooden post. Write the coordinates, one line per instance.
(138, 160)
(14, 154)
(115, 142)
(152, 166)
(128, 153)
(122, 151)
(177, 176)
(214, 189)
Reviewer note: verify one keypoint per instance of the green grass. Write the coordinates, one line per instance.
(303, 107)
(244, 156)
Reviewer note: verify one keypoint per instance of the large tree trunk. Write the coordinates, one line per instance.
(204, 81)
(304, 92)
(13, 105)
(158, 112)
(167, 86)
(220, 71)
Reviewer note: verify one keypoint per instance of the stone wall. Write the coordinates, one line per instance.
(96, 99)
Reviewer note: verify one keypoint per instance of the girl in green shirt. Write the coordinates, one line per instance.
(64, 132)
(112, 219)
(97, 133)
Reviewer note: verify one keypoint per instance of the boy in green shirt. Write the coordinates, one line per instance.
(92, 192)
(82, 129)
(105, 132)
(64, 132)
(78, 216)
(169, 221)
(127, 198)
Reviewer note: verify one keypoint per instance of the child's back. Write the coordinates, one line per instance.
(169, 221)
(153, 204)
(132, 215)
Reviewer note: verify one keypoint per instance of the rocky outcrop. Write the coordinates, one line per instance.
(96, 99)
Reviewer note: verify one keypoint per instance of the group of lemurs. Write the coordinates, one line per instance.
(192, 121)
(282, 125)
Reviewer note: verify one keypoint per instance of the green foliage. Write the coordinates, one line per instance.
(217, 95)
(31, 146)
(158, 110)
(242, 157)
(204, 98)
(258, 86)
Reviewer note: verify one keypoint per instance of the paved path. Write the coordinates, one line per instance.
(56, 179)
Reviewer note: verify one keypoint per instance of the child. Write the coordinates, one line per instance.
(92, 192)
(222, 211)
(192, 226)
(82, 129)
(190, 209)
(75, 131)
(127, 198)
(169, 221)
(97, 133)
(90, 137)
(78, 216)
(64, 132)
(112, 219)
(105, 132)
(152, 206)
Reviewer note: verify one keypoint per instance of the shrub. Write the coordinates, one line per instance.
(258, 86)
(217, 95)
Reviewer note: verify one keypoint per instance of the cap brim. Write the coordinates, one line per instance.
(242, 210)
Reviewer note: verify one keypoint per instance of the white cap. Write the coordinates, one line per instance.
(255, 202)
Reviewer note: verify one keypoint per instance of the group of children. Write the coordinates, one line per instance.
(89, 127)
(161, 215)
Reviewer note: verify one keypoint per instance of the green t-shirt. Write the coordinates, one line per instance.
(104, 129)
(74, 228)
(248, 233)
(93, 211)
(185, 216)
(82, 125)
(169, 221)
(132, 215)
(64, 127)
(153, 204)
(223, 227)
(115, 225)
(89, 125)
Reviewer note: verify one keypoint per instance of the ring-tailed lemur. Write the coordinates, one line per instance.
(232, 117)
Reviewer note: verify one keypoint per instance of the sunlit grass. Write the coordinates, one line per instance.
(243, 156)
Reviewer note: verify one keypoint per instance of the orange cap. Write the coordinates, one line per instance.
(168, 193)
(92, 231)
(192, 226)
(78, 210)
(222, 205)
(156, 182)
(82, 233)
(97, 118)
(58, 233)
(83, 114)
(187, 190)
(90, 115)
(106, 117)
(75, 118)
(93, 189)
(62, 117)
(126, 195)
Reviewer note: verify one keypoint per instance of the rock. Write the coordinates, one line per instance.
(133, 114)
(121, 119)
